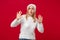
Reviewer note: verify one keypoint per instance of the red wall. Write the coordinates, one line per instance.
(49, 9)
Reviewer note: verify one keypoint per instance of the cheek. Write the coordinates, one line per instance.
(28, 10)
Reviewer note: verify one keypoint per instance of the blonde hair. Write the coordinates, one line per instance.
(34, 14)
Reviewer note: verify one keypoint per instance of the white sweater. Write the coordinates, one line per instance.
(27, 27)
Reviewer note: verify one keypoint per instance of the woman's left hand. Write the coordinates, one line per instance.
(40, 18)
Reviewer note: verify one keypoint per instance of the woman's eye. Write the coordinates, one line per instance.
(29, 8)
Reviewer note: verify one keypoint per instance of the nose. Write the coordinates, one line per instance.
(31, 9)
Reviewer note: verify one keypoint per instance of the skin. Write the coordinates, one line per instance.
(30, 12)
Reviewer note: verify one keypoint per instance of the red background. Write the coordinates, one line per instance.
(49, 9)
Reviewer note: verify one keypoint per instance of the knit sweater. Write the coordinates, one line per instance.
(27, 27)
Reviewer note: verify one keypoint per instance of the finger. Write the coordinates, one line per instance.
(39, 15)
(20, 12)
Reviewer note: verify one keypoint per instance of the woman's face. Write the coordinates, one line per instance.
(31, 10)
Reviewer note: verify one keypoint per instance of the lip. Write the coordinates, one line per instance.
(30, 12)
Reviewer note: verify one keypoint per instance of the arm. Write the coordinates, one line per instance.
(15, 22)
(40, 24)
(40, 27)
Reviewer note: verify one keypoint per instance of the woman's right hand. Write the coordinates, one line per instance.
(18, 16)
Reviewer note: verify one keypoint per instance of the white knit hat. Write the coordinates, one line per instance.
(33, 6)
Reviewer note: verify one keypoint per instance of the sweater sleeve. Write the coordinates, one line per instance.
(16, 22)
(40, 27)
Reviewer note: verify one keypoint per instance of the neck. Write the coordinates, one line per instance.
(29, 15)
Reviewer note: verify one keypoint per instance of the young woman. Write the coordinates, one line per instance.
(28, 23)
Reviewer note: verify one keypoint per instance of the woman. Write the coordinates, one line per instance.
(28, 23)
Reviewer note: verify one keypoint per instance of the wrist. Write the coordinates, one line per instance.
(17, 18)
(40, 22)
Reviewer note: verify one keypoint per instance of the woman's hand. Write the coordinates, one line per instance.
(18, 16)
(40, 18)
